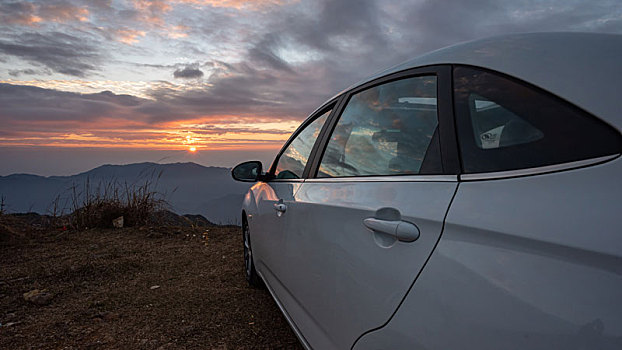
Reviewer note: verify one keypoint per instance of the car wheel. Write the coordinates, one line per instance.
(249, 266)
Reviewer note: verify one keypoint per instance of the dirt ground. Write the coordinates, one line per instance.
(150, 288)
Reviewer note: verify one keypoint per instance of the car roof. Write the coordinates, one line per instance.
(583, 68)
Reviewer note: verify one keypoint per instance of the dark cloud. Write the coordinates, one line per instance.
(60, 52)
(264, 52)
(347, 40)
(434, 24)
(29, 103)
(99, 4)
(351, 39)
(347, 27)
(265, 84)
(33, 104)
(29, 71)
(188, 72)
(243, 90)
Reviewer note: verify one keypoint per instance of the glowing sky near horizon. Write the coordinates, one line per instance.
(223, 77)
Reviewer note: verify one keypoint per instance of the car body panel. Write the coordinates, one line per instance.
(267, 228)
(518, 268)
(332, 256)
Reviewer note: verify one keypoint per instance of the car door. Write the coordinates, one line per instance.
(360, 231)
(275, 195)
(531, 255)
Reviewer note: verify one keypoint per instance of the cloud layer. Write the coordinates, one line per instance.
(227, 73)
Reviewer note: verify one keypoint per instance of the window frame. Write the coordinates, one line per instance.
(331, 105)
(449, 142)
(447, 134)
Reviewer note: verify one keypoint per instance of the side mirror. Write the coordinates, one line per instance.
(247, 171)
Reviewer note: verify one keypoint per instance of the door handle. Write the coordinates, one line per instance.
(404, 231)
(280, 207)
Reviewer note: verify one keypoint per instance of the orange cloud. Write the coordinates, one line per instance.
(237, 4)
(160, 6)
(177, 32)
(28, 20)
(129, 36)
(151, 11)
(123, 133)
(23, 14)
(26, 13)
(63, 13)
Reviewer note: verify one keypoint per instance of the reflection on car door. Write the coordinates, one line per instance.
(381, 173)
(274, 197)
(266, 227)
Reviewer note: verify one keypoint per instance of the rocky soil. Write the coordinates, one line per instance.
(131, 288)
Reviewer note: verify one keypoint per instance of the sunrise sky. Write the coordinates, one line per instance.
(88, 82)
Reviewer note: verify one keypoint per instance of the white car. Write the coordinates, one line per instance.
(467, 199)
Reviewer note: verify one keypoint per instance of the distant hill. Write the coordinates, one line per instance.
(189, 188)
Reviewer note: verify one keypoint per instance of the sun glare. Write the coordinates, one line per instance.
(192, 149)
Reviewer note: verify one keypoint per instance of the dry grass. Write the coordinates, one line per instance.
(101, 281)
(98, 206)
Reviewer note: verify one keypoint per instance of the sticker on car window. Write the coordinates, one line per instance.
(491, 138)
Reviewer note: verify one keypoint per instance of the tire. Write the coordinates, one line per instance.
(252, 277)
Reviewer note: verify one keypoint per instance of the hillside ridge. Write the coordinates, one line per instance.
(188, 187)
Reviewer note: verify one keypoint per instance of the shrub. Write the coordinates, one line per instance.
(99, 206)
(2, 204)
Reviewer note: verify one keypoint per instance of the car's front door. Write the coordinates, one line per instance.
(274, 196)
(361, 230)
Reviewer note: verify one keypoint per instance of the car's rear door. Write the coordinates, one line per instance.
(360, 231)
(531, 253)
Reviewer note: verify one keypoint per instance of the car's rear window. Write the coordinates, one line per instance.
(504, 124)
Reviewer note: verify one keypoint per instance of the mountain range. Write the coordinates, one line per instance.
(188, 188)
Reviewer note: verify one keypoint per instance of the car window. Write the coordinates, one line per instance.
(386, 130)
(504, 124)
(293, 160)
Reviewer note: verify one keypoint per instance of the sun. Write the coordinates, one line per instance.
(192, 149)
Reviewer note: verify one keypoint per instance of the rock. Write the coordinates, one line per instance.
(154, 287)
(38, 297)
(154, 234)
(108, 316)
(118, 222)
(111, 316)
